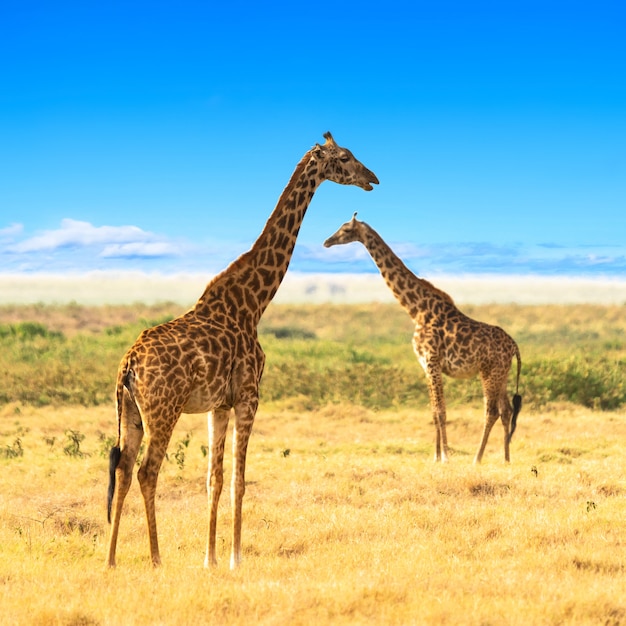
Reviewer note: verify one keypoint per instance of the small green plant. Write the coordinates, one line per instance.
(72, 448)
(181, 447)
(28, 331)
(13, 451)
(106, 443)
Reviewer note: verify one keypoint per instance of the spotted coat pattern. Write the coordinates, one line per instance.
(210, 358)
(445, 340)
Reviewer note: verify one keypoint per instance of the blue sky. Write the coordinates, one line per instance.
(158, 136)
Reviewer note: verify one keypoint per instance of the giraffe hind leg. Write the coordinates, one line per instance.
(438, 406)
(491, 417)
(147, 476)
(121, 464)
(506, 413)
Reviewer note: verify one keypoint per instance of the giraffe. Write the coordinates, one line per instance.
(210, 359)
(446, 341)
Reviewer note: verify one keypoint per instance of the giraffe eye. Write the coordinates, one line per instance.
(344, 158)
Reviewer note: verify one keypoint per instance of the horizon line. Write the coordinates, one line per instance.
(99, 287)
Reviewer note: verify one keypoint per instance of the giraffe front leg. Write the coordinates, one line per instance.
(218, 424)
(241, 435)
(444, 438)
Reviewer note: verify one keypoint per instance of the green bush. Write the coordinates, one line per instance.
(592, 382)
(359, 353)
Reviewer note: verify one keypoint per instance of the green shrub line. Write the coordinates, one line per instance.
(361, 355)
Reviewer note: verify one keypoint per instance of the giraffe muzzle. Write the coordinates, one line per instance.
(371, 178)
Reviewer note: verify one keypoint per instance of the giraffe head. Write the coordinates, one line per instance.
(347, 233)
(340, 166)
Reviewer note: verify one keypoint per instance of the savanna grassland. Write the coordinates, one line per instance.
(346, 518)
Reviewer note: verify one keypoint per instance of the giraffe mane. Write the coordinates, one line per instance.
(242, 260)
(445, 296)
(439, 292)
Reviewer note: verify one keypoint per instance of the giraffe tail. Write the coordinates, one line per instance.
(517, 399)
(116, 452)
(114, 460)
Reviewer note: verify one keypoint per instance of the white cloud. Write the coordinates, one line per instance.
(11, 232)
(456, 258)
(139, 249)
(74, 233)
(82, 245)
(352, 252)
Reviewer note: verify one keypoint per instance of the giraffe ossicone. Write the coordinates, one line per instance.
(210, 359)
(446, 341)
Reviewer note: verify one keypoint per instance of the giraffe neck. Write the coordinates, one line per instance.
(410, 290)
(245, 288)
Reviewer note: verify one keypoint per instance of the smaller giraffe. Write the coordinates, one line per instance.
(446, 341)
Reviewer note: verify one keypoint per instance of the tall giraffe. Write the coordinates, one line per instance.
(210, 359)
(445, 340)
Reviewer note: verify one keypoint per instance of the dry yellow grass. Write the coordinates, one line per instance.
(346, 521)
